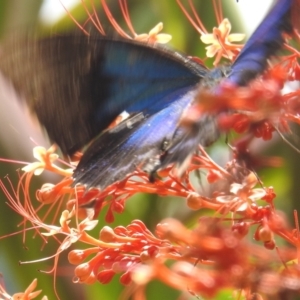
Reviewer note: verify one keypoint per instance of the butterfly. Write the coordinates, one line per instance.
(77, 85)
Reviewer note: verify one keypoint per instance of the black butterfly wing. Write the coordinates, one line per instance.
(134, 143)
(265, 42)
(77, 85)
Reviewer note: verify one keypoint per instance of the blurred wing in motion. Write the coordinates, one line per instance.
(78, 85)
